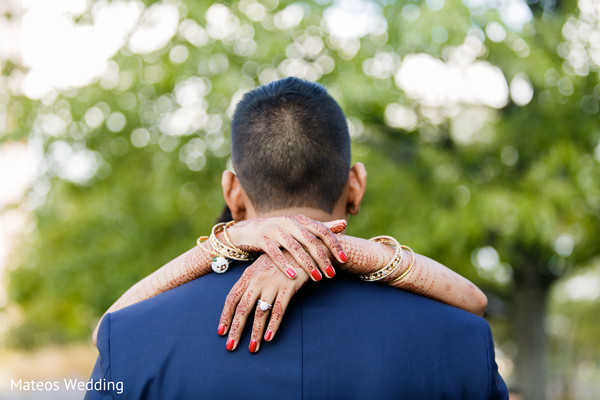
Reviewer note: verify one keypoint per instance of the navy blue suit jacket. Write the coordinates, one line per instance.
(339, 339)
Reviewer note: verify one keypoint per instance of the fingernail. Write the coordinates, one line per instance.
(316, 275)
(329, 271)
(343, 256)
(229, 345)
(339, 227)
(291, 272)
(221, 330)
(252, 346)
(268, 335)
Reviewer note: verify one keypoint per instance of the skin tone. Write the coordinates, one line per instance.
(297, 248)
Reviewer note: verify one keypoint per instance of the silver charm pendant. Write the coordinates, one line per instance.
(219, 264)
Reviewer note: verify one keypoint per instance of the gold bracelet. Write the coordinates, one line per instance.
(203, 239)
(410, 267)
(224, 250)
(392, 266)
(226, 236)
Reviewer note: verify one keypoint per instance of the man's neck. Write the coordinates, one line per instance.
(312, 213)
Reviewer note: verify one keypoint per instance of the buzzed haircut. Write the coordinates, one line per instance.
(290, 146)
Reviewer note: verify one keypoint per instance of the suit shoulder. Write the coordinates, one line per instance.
(174, 308)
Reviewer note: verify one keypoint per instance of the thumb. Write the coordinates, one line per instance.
(336, 226)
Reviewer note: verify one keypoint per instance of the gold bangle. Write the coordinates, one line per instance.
(224, 250)
(201, 240)
(392, 266)
(226, 236)
(410, 267)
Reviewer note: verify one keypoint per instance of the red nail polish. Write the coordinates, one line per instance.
(316, 275)
(229, 345)
(329, 271)
(343, 256)
(268, 335)
(252, 346)
(291, 272)
(221, 330)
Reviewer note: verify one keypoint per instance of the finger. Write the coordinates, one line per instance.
(317, 250)
(260, 322)
(245, 306)
(336, 226)
(279, 306)
(326, 235)
(300, 255)
(231, 302)
(277, 256)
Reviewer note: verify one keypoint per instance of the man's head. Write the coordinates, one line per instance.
(290, 148)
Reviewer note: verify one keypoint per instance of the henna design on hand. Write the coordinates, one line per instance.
(318, 245)
(274, 252)
(299, 252)
(240, 314)
(260, 317)
(277, 311)
(232, 299)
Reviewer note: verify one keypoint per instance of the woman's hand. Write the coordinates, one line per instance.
(307, 240)
(260, 281)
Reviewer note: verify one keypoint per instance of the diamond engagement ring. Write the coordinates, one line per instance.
(263, 305)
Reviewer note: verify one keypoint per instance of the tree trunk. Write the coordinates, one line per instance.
(528, 331)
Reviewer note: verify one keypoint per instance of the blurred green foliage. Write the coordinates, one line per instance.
(520, 191)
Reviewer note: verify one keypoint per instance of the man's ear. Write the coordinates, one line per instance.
(234, 195)
(357, 183)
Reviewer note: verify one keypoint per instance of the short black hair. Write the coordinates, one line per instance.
(290, 146)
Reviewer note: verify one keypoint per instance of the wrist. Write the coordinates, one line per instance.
(396, 266)
(241, 235)
(406, 266)
(237, 237)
